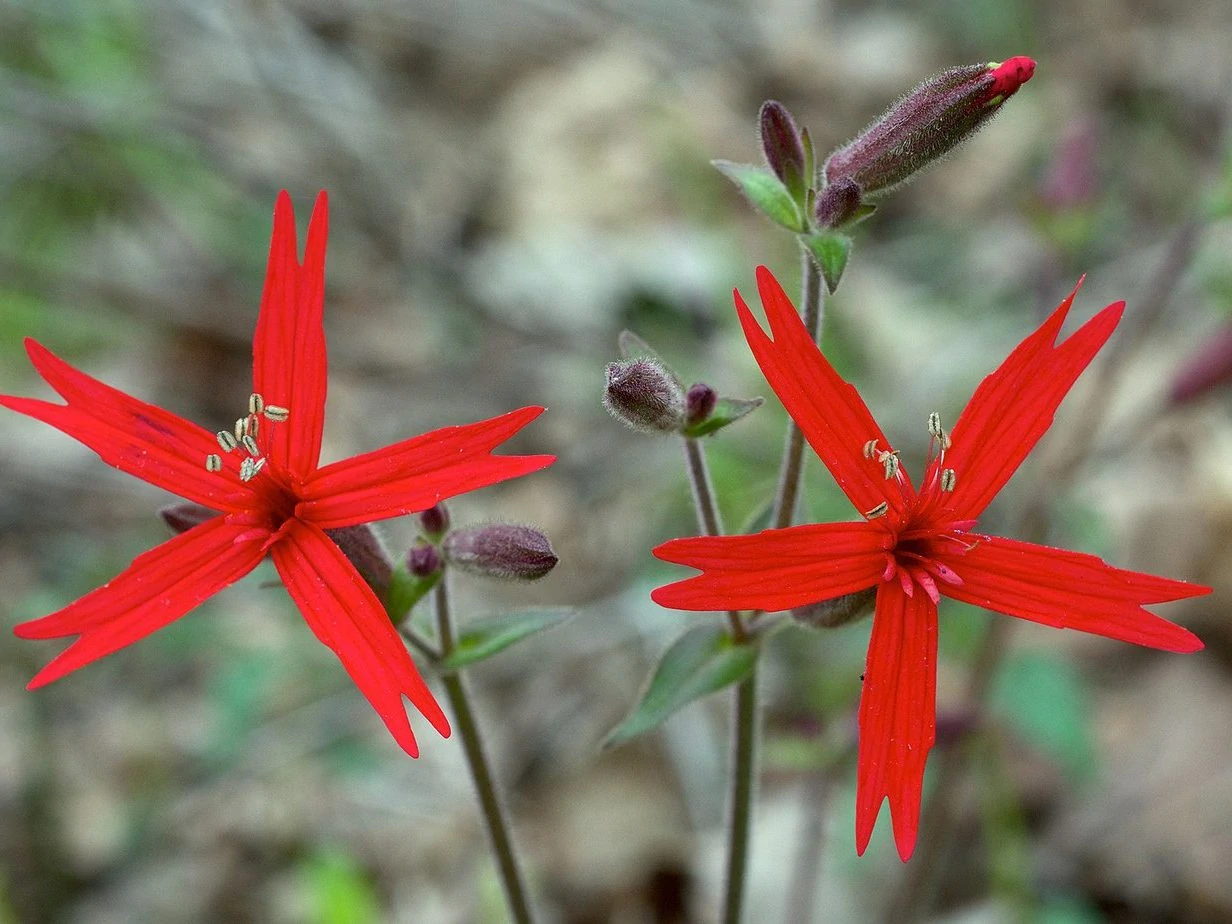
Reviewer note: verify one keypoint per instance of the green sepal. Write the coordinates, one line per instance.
(766, 192)
(631, 346)
(810, 164)
(726, 411)
(405, 590)
(482, 638)
(702, 661)
(831, 252)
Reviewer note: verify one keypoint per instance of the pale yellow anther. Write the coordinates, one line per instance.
(870, 449)
(889, 461)
(226, 439)
(948, 479)
(256, 404)
(253, 427)
(276, 414)
(213, 462)
(247, 470)
(879, 511)
(250, 446)
(241, 429)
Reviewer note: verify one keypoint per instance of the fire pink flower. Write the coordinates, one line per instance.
(272, 495)
(917, 545)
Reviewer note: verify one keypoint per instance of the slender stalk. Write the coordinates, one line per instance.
(485, 787)
(708, 518)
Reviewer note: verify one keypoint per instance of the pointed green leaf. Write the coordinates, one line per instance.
(701, 661)
(766, 192)
(831, 252)
(405, 590)
(726, 411)
(491, 635)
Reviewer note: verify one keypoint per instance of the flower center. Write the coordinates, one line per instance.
(242, 439)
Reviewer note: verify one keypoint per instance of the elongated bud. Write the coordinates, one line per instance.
(502, 550)
(783, 147)
(364, 550)
(434, 522)
(830, 614)
(927, 123)
(183, 517)
(700, 402)
(645, 395)
(423, 560)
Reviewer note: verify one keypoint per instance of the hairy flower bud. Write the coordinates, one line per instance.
(434, 522)
(364, 550)
(830, 614)
(423, 560)
(783, 147)
(838, 203)
(502, 550)
(927, 123)
(645, 395)
(183, 517)
(700, 402)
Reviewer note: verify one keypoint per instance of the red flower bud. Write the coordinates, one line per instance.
(502, 550)
(927, 123)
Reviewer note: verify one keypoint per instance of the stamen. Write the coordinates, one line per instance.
(870, 449)
(247, 470)
(878, 511)
(276, 414)
(256, 404)
(948, 479)
(226, 439)
(241, 428)
(934, 425)
(213, 462)
(253, 426)
(250, 446)
(889, 461)
(257, 465)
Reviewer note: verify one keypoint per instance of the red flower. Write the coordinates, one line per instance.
(915, 546)
(272, 495)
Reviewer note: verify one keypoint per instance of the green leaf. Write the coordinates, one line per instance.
(831, 252)
(482, 638)
(701, 661)
(405, 590)
(766, 192)
(726, 411)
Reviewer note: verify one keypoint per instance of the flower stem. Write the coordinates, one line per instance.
(708, 518)
(468, 730)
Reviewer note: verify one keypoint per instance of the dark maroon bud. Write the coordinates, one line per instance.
(699, 403)
(927, 123)
(1208, 367)
(423, 560)
(644, 395)
(502, 550)
(783, 147)
(838, 203)
(183, 517)
(363, 548)
(434, 522)
(838, 611)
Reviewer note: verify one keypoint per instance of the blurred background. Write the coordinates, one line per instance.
(512, 184)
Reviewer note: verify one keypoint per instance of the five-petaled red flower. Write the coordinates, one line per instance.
(272, 496)
(917, 545)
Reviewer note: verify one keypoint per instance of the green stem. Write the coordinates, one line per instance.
(708, 518)
(468, 730)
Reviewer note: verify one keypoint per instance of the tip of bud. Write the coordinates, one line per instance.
(1011, 74)
(700, 402)
(501, 550)
(434, 521)
(783, 147)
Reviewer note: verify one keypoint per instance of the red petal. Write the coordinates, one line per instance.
(288, 350)
(1070, 590)
(1014, 406)
(141, 439)
(827, 409)
(898, 709)
(415, 474)
(346, 616)
(159, 587)
(774, 570)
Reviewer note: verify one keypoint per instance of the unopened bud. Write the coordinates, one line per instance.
(838, 203)
(423, 560)
(783, 147)
(363, 549)
(502, 550)
(183, 517)
(434, 522)
(927, 123)
(699, 403)
(645, 395)
(838, 611)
